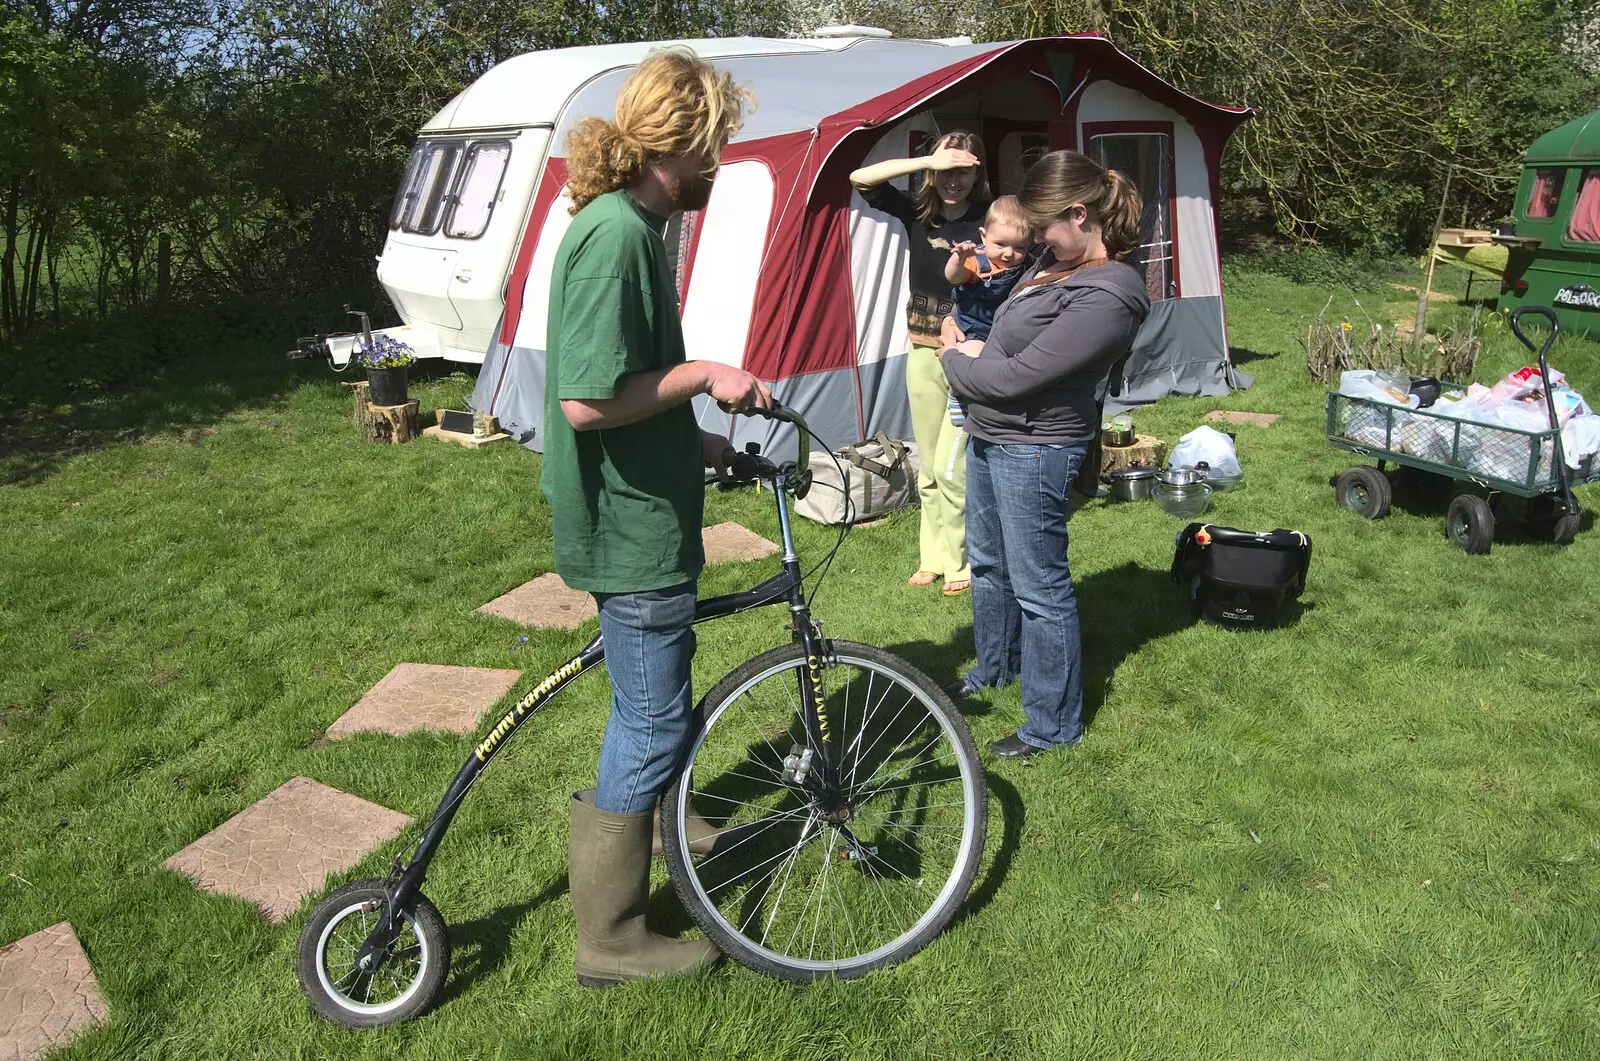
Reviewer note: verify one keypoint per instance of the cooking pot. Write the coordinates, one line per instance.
(1182, 476)
(1116, 436)
(1131, 484)
(1426, 388)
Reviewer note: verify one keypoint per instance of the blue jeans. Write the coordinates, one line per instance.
(649, 643)
(1024, 614)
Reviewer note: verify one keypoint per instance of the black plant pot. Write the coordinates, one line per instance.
(387, 386)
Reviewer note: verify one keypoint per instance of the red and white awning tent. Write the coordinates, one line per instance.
(787, 271)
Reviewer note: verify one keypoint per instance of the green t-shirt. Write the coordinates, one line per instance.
(626, 503)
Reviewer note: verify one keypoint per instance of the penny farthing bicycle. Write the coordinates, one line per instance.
(850, 785)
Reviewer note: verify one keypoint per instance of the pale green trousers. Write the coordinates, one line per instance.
(942, 480)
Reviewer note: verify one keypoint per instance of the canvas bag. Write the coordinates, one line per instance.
(880, 475)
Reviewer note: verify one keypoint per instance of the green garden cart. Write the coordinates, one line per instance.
(1491, 462)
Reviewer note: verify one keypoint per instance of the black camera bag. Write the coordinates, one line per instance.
(1238, 578)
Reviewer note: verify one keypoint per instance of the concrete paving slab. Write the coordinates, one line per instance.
(545, 602)
(48, 994)
(276, 851)
(417, 696)
(730, 541)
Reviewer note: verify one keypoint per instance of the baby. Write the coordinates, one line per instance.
(984, 277)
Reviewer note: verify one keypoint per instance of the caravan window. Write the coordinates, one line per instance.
(424, 198)
(1585, 224)
(1546, 192)
(478, 188)
(1146, 159)
(407, 194)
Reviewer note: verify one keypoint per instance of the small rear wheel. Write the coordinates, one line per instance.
(1566, 528)
(1364, 491)
(403, 983)
(1469, 523)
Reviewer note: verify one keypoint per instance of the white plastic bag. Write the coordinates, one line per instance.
(1208, 445)
(1374, 386)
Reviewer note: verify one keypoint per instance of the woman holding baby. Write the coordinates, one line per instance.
(1032, 396)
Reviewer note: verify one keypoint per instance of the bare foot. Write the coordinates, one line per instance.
(923, 578)
(958, 587)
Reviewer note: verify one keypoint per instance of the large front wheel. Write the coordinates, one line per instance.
(811, 880)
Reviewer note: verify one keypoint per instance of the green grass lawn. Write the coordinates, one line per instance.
(1370, 834)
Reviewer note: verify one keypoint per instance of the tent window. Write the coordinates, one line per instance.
(425, 197)
(478, 188)
(1585, 224)
(679, 238)
(1546, 192)
(1146, 159)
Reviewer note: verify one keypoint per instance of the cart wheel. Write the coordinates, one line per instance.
(1364, 491)
(1550, 520)
(1470, 524)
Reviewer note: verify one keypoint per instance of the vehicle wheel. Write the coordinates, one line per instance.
(1365, 491)
(795, 891)
(1469, 523)
(1550, 519)
(401, 986)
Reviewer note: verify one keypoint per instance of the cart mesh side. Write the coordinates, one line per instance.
(1519, 461)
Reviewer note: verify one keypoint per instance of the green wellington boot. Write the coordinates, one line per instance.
(703, 836)
(608, 876)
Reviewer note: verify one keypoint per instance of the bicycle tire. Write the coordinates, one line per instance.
(867, 860)
(365, 898)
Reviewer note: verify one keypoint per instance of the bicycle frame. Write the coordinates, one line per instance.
(406, 877)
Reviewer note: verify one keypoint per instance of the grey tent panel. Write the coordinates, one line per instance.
(511, 386)
(1181, 349)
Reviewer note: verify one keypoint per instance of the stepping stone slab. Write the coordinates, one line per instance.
(417, 696)
(276, 851)
(731, 541)
(48, 994)
(1233, 416)
(546, 601)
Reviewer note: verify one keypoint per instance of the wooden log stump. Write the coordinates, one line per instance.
(1147, 451)
(361, 417)
(393, 424)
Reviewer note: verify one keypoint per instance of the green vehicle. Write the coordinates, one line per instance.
(1554, 255)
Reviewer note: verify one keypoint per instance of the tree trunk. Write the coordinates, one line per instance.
(8, 262)
(163, 271)
(36, 268)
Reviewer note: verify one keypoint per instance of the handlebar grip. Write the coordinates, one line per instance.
(777, 412)
(743, 467)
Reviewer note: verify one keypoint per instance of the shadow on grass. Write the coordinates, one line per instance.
(481, 946)
(1241, 356)
(1120, 610)
(1428, 496)
(942, 662)
(1013, 813)
(89, 387)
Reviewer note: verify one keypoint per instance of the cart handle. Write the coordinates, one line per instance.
(1559, 457)
(1516, 329)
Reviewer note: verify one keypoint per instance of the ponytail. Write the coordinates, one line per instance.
(1119, 212)
(600, 159)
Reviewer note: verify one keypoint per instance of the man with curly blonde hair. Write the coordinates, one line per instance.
(624, 471)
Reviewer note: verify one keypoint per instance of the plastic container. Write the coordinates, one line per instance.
(1185, 501)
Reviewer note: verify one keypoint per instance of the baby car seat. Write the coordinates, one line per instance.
(1238, 578)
